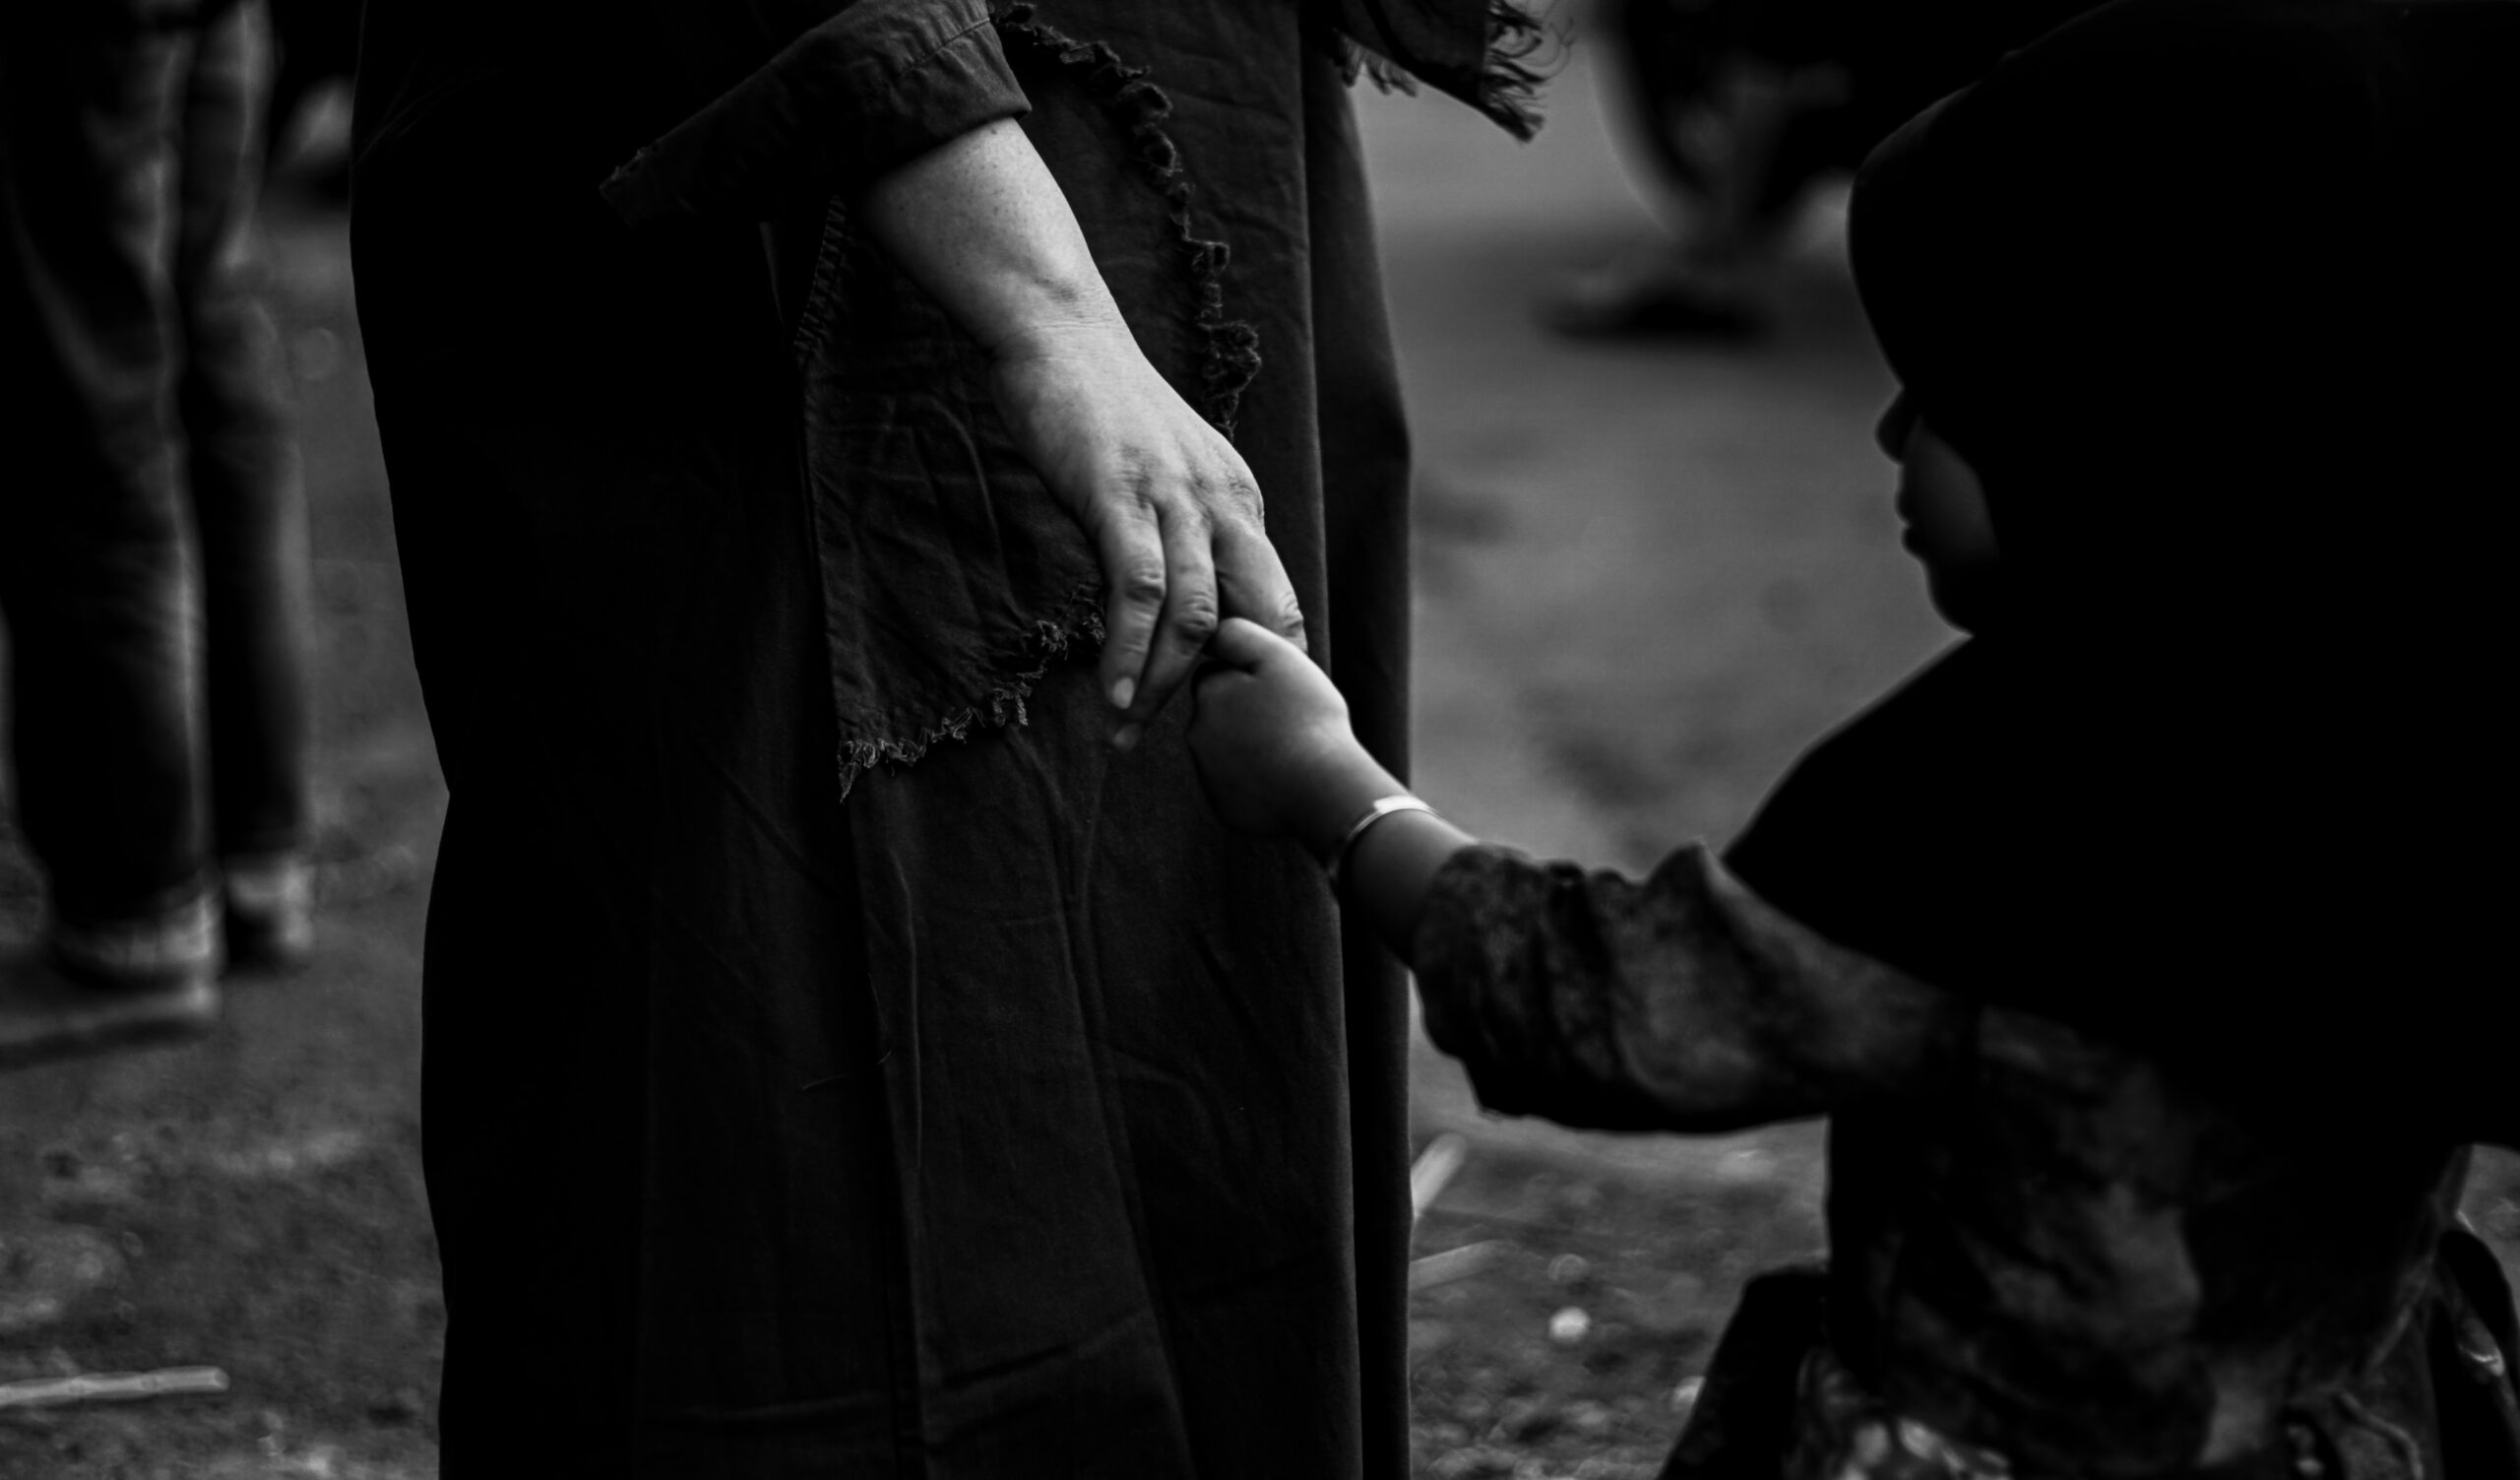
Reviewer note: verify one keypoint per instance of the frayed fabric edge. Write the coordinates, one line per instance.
(1230, 349)
(1509, 81)
(1510, 76)
(1080, 617)
(1228, 361)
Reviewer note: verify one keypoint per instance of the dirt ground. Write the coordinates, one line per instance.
(1647, 576)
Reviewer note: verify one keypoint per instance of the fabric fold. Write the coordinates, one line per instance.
(884, 81)
(879, 84)
(1681, 1002)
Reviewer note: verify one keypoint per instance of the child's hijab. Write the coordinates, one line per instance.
(2218, 297)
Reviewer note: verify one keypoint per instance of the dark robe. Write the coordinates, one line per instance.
(839, 1061)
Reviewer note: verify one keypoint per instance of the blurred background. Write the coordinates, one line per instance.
(1655, 558)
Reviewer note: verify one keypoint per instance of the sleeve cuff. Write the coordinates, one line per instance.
(1466, 951)
(1447, 949)
(877, 84)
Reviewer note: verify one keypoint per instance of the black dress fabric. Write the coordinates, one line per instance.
(1006, 1116)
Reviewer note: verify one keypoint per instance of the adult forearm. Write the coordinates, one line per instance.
(980, 225)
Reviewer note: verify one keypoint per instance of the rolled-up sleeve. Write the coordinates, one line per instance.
(1681, 1002)
(877, 84)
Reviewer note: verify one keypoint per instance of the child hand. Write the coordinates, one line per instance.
(1270, 732)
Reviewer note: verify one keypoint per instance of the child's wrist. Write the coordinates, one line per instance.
(1345, 784)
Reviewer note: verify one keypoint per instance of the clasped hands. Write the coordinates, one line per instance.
(1176, 519)
(1197, 589)
(1172, 510)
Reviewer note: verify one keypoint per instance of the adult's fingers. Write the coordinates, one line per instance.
(1130, 543)
(1244, 644)
(1189, 617)
(1251, 581)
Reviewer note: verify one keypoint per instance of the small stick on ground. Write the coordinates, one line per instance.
(110, 1386)
(1435, 1167)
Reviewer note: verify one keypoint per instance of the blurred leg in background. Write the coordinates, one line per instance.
(1733, 130)
(151, 524)
(1738, 107)
(249, 506)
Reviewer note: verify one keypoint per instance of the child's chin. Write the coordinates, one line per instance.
(1972, 602)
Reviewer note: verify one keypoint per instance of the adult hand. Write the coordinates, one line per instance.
(1172, 508)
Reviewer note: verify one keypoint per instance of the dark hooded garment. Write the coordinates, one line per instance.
(2144, 949)
(839, 1061)
(2217, 301)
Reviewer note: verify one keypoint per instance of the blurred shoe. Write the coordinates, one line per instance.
(271, 913)
(1655, 310)
(1651, 296)
(94, 989)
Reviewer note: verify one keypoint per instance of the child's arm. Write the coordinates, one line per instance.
(1680, 1003)
(1273, 745)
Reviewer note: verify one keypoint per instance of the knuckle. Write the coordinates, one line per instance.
(1130, 497)
(1242, 493)
(1232, 499)
(1195, 618)
(1141, 583)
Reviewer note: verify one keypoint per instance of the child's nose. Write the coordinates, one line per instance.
(1890, 433)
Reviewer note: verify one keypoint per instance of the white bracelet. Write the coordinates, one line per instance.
(1383, 807)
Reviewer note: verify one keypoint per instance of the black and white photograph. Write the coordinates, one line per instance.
(1258, 740)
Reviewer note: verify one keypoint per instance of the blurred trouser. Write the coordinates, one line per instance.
(140, 414)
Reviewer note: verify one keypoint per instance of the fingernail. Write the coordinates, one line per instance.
(1122, 692)
(1126, 737)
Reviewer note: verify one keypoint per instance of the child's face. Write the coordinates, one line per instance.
(1944, 507)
